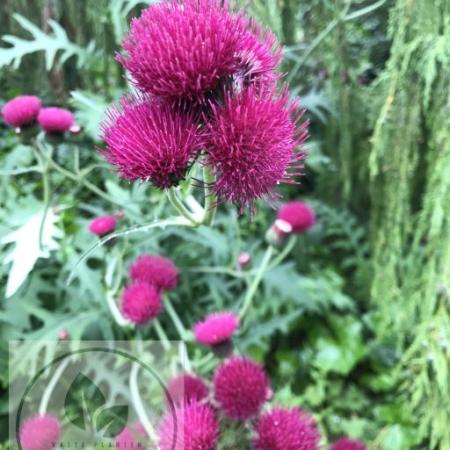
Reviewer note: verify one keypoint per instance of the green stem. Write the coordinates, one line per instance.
(254, 286)
(51, 386)
(139, 405)
(173, 221)
(286, 250)
(184, 356)
(46, 193)
(9, 173)
(210, 196)
(86, 183)
(119, 319)
(179, 206)
(218, 270)
(184, 334)
(161, 335)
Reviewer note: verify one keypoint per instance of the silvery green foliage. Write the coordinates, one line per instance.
(56, 46)
(35, 238)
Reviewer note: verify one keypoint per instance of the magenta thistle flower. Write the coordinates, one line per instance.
(298, 215)
(21, 110)
(186, 388)
(259, 58)
(240, 387)
(103, 225)
(131, 437)
(156, 270)
(286, 429)
(40, 433)
(192, 426)
(182, 50)
(253, 145)
(150, 140)
(141, 302)
(348, 444)
(55, 120)
(216, 328)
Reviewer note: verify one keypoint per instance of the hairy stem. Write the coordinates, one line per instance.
(119, 319)
(180, 207)
(184, 334)
(173, 221)
(46, 193)
(138, 404)
(210, 196)
(161, 335)
(51, 386)
(286, 250)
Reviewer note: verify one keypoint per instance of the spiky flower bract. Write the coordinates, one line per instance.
(181, 50)
(240, 388)
(156, 270)
(192, 426)
(216, 328)
(132, 437)
(286, 429)
(253, 145)
(40, 433)
(298, 215)
(186, 388)
(259, 56)
(21, 110)
(348, 444)
(141, 302)
(103, 225)
(55, 120)
(150, 140)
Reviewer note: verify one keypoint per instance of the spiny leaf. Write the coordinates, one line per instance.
(51, 44)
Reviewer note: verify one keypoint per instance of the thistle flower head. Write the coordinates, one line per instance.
(192, 426)
(150, 140)
(240, 388)
(131, 437)
(103, 225)
(348, 444)
(286, 429)
(216, 328)
(298, 215)
(40, 433)
(21, 110)
(141, 302)
(259, 57)
(156, 270)
(187, 388)
(253, 145)
(185, 49)
(55, 120)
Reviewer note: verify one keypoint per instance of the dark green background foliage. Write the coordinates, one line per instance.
(354, 324)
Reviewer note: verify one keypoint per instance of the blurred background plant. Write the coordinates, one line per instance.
(354, 324)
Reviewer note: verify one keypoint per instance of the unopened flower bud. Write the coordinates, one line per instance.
(244, 260)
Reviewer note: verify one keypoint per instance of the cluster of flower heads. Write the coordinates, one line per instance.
(150, 276)
(239, 392)
(206, 78)
(26, 110)
(193, 420)
(198, 412)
